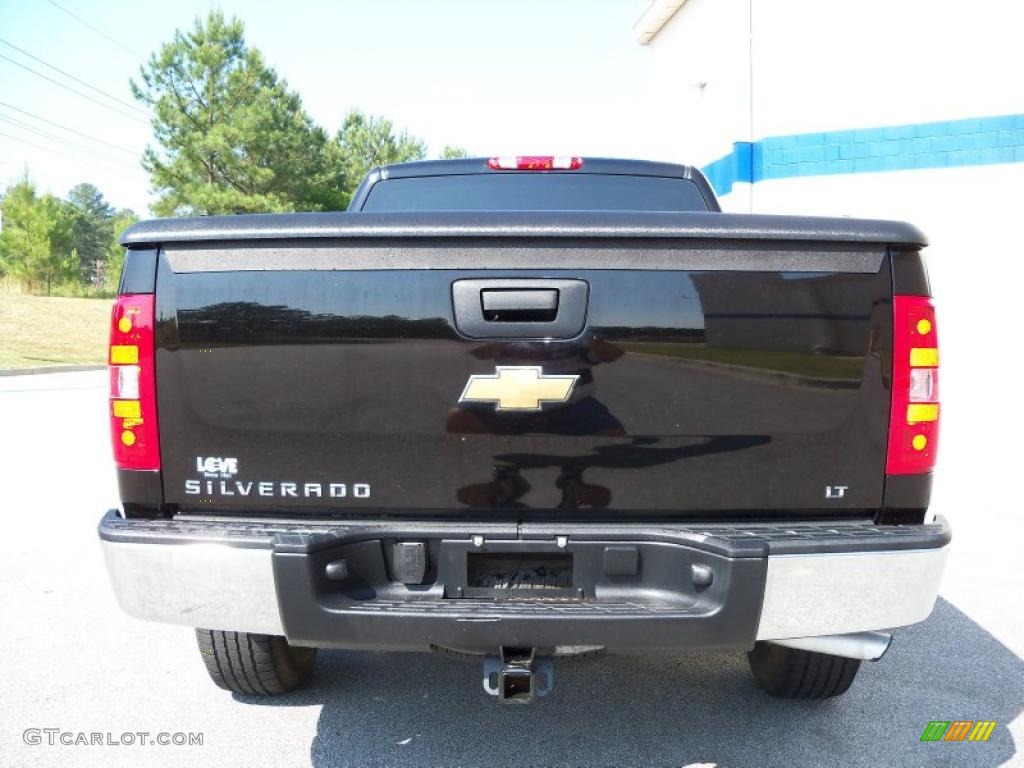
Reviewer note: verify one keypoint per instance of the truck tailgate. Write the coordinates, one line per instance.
(706, 376)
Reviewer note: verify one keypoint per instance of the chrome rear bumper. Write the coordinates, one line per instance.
(222, 575)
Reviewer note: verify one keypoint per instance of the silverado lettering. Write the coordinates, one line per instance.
(266, 488)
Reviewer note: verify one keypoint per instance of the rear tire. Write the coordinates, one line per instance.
(790, 673)
(258, 665)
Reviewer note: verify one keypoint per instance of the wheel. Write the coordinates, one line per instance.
(261, 665)
(790, 673)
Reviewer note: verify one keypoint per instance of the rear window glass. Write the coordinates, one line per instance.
(535, 192)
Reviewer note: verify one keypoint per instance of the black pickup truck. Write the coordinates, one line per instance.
(521, 408)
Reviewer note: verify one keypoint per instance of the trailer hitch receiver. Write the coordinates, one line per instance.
(519, 675)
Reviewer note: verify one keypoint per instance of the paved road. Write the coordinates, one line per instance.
(73, 662)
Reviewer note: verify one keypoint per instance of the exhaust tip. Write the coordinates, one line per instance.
(866, 646)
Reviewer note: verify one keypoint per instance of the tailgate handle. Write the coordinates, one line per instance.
(526, 308)
(506, 305)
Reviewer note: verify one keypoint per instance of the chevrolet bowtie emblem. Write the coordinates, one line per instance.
(518, 388)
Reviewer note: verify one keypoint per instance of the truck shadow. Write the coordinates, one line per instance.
(418, 709)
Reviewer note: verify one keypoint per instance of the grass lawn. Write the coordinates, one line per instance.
(39, 330)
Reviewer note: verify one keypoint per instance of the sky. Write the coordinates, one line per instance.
(494, 77)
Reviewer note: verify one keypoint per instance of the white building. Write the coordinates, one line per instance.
(900, 109)
(879, 107)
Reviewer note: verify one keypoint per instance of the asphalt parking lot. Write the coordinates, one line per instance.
(73, 662)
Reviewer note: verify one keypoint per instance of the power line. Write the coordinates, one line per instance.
(39, 133)
(73, 90)
(23, 52)
(69, 130)
(53, 151)
(98, 31)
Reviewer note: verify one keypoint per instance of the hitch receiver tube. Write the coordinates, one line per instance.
(518, 675)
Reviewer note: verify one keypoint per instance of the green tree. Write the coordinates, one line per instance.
(232, 137)
(90, 216)
(114, 250)
(366, 141)
(451, 152)
(35, 242)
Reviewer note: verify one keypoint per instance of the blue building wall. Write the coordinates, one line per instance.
(971, 141)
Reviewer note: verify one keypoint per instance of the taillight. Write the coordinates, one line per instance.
(133, 427)
(914, 417)
(535, 163)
